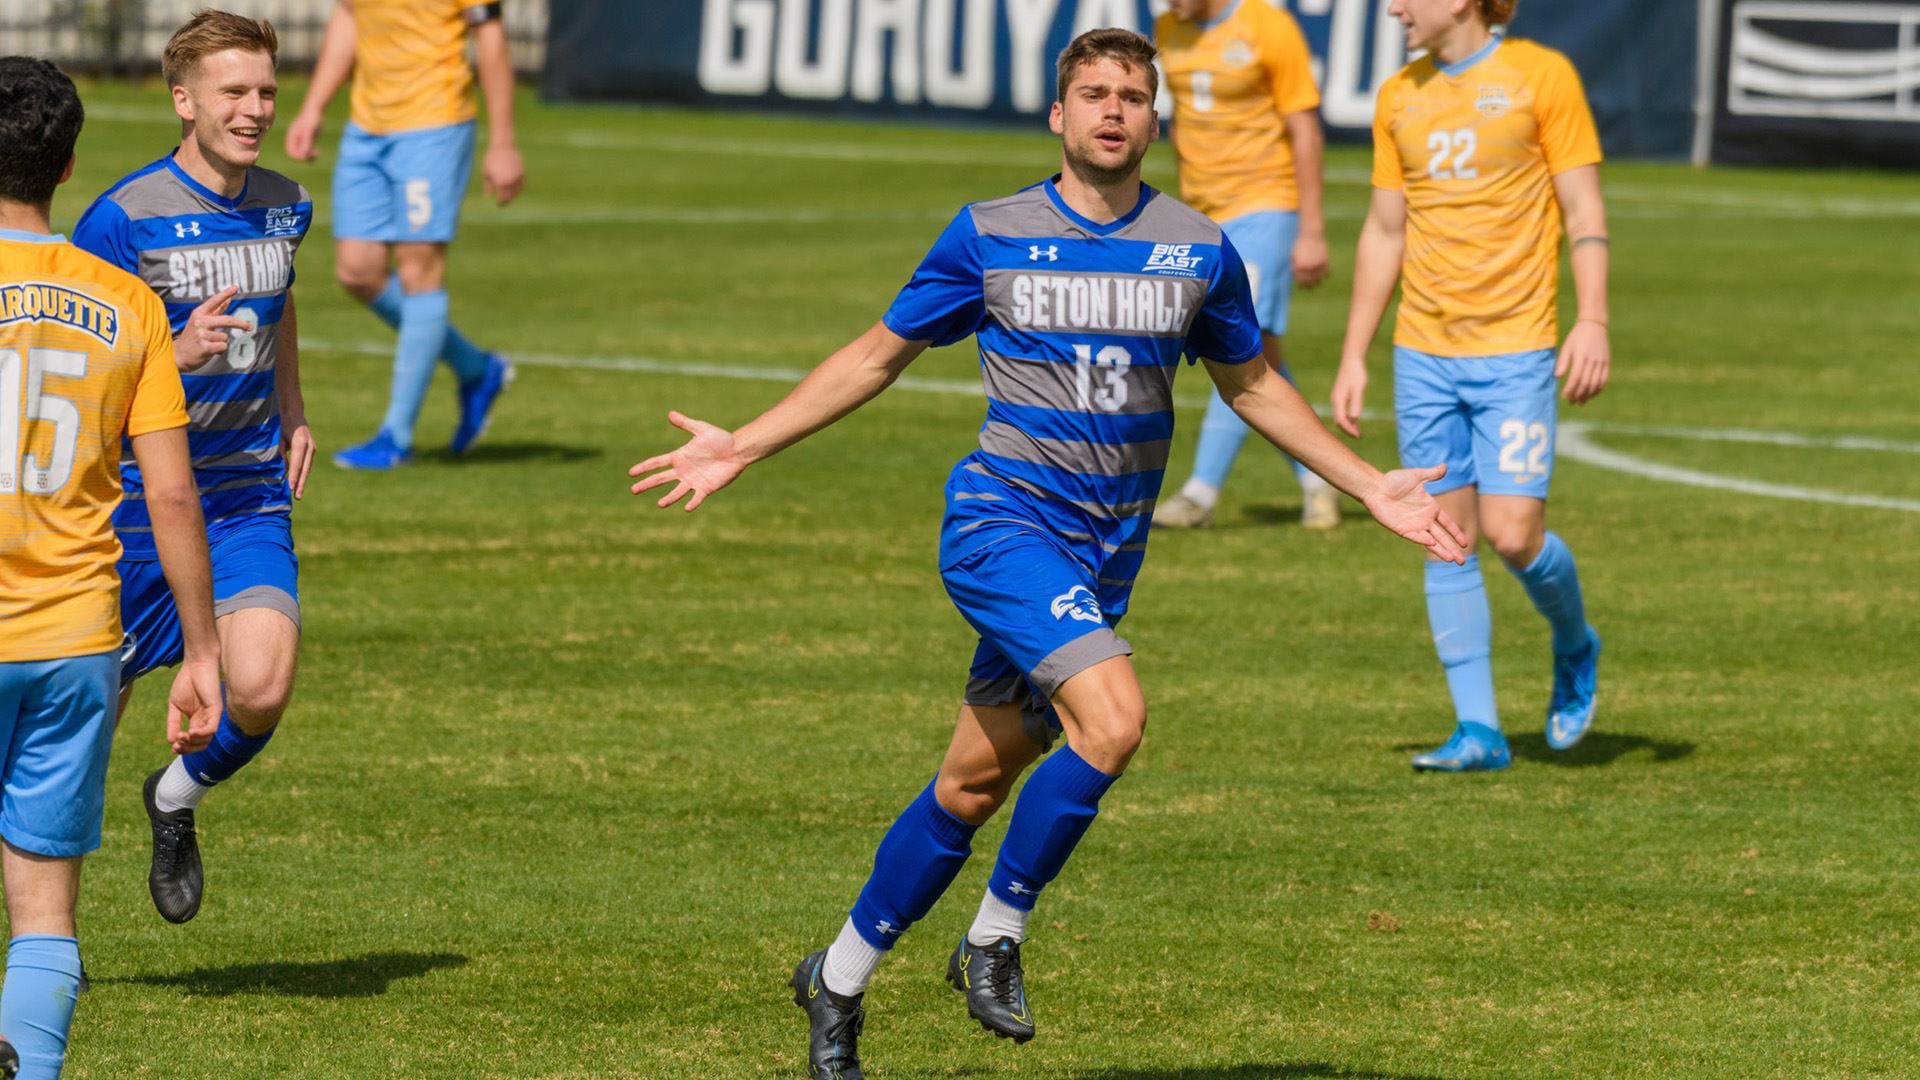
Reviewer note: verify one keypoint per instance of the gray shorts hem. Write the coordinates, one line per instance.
(259, 596)
(1077, 656)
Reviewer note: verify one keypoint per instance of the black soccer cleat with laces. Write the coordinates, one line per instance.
(996, 989)
(833, 1023)
(175, 879)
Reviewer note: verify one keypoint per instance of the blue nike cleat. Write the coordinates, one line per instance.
(1576, 688)
(476, 402)
(1473, 748)
(379, 452)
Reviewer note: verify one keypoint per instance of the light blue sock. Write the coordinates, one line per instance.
(1222, 434)
(1053, 812)
(917, 859)
(230, 749)
(467, 360)
(1463, 636)
(36, 1003)
(423, 330)
(1553, 584)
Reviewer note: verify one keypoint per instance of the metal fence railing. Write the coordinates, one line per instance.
(126, 36)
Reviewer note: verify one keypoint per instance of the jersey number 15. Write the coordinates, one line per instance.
(63, 414)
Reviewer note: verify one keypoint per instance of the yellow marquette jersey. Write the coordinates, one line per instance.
(86, 355)
(1476, 153)
(410, 66)
(1232, 80)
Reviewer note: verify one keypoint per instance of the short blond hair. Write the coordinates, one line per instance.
(1111, 43)
(1497, 12)
(209, 32)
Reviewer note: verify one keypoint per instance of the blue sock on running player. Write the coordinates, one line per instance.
(1463, 636)
(230, 749)
(467, 360)
(1051, 815)
(36, 1002)
(916, 861)
(1222, 434)
(1553, 584)
(423, 330)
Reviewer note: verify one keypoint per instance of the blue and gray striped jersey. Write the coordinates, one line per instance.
(189, 243)
(1081, 328)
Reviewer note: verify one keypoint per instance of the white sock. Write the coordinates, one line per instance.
(850, 962)
(997, 919)
(1311, 481)
(1200, 493)
(177, 789)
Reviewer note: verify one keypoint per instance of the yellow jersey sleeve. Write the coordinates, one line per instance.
(1386, 152)
(159, 402)
(1568, 138)
(1289, 66)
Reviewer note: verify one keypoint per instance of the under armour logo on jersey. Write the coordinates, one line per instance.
(1035, 252)
(1077, 603)
(184, 230)
(1174, 259)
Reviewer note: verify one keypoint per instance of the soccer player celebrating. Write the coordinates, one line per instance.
(1247, 137)
(403, 169)
(85, 361)
(214, 235)
(1480, 148)
(1084, 291)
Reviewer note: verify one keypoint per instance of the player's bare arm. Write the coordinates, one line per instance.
(180, 538)
(296, 438)
(713, 457)
(1311, 264)
(1586, 358)
(206, 334)
(503, 173)
(1376, 273)
(330, 71)
(1398, 500)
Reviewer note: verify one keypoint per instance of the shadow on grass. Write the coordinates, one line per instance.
(1283, 1070)
(1599, 748)
(352, 977)
(493, 452)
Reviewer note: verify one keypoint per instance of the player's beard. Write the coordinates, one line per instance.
(1097, 175)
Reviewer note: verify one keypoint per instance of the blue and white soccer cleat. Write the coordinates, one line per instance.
(379, 452)
(476, 402)
(1473, 748)
(1576, 688)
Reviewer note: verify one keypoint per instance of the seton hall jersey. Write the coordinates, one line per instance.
(85, 357)
(1475, 148)
(1081, 327)
(1232, 80)
(189, 243)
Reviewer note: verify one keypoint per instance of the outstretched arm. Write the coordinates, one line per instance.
(1398, 500)
(1586, 358)
(1376, 271)
(843, 382)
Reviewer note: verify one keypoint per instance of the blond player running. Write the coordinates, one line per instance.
(1481, 149)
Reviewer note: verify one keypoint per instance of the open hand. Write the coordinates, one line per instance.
(1349, 391)
(1401, 503)
(193, 706)
(708, 462)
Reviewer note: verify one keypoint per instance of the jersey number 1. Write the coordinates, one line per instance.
(64, 415)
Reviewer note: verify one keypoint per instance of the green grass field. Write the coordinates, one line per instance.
(569, 783)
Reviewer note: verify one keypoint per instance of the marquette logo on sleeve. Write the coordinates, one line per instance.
(1174, 259)
(35, 301)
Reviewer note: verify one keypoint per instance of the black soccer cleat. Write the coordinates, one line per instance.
(833, 1023)
(996, 989)
(175, 879)
(9, 1061)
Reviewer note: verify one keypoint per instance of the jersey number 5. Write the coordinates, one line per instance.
(64, 415)
(1459, 145)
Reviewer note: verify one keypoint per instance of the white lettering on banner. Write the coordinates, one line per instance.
(1027, 24)
(824, 78)
(970, 86)
(747, 70)
(1346, 99)
(878, 19)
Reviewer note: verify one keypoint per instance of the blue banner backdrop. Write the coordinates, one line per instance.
(992, 60)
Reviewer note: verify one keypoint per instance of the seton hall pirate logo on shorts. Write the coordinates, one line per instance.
(1493, 101)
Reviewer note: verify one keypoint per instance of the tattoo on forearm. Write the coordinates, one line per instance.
(1601, 240)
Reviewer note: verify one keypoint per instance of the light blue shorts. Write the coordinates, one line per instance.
(1265, 243)
(1489, 419)
(56, 725)
(402, 188)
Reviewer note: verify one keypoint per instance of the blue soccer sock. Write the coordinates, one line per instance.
(36, 1003)
(917, 859)
(1463, 636)
(1222, 434)
(230, 749)
(1553, 584)
(467, 360)
(1052, 814)
(423, 330)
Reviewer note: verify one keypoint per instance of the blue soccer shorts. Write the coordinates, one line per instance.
(253, 567)
(402, 188)
(56, 725)
(1042, 616)
(1489, 419)
(1265, 243)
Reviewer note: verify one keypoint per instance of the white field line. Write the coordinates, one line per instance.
(1573, 441)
